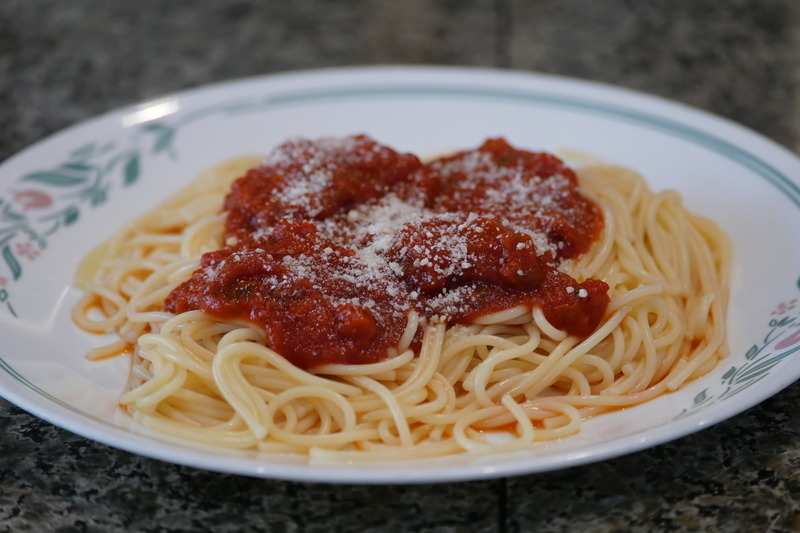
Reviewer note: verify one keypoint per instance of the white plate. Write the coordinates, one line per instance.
(61, 197)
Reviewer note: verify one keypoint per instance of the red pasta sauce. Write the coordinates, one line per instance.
(331, 243)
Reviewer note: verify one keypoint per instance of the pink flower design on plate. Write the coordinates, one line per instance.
(791, 340)
(33, 199)
(785, 307)
(27, 249)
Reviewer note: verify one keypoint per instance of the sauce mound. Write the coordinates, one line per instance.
(331, 243)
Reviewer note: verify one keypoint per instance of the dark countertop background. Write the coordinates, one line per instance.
(62, 62)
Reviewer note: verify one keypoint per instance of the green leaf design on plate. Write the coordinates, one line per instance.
(84, 151)
(86, 176)
(700, 398)
(751, 352)
(762, 367)
(164, 136)
(756, 372)
(98, 196)
(57, 178)
(11, 261)
(8, 214)
(71, 215)
(729, 374)
(132, 167)
(760, 360)
(776, 323)
(78, 166)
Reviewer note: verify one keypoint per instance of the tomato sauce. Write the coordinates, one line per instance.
(331, 243)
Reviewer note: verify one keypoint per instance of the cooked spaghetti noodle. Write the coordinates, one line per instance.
(445, 387)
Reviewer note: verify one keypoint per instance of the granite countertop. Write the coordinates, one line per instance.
(61, 62)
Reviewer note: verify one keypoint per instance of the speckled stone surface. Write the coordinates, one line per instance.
(61, 62)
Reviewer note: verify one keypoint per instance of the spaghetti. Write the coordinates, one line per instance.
(438, 376)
